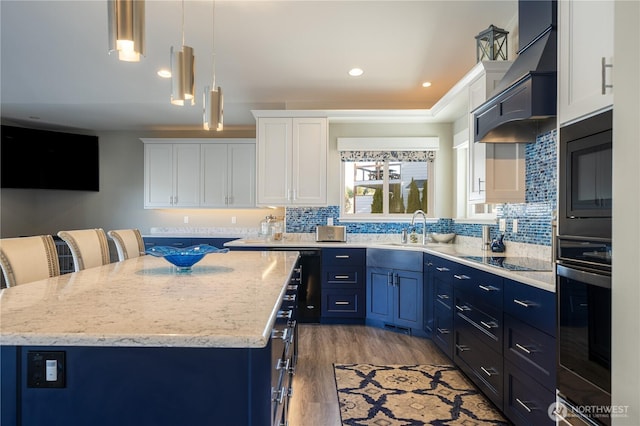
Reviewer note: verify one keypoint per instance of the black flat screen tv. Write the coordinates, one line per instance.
(43, 159)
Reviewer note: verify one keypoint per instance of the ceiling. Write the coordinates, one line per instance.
(56, 70)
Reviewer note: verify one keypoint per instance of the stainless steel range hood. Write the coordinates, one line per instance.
(523, 104)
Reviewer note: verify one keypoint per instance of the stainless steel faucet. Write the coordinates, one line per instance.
(424, 224)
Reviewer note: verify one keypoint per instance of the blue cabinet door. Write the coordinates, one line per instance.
(408, 299)
(380, 294)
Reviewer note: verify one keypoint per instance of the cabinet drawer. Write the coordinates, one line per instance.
(395, 259)
(444, 269)
(343, 303)
(343, 276)
(531, 350)
(526, 402)
(483, 321)
(532, 305)
(443, 294)
(482, 364)
(340, 256)
(481, 286)
(443, 330)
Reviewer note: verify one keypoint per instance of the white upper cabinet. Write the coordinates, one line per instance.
(171, 175)
(496, 170)
(585, 58)
(190, 173)
(228, 175)
(292, 161)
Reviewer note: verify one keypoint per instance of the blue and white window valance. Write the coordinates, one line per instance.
(406, 149)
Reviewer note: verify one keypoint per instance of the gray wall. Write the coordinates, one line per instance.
(626, 214)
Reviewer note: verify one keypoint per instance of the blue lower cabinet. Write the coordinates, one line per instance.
(144, 386)
(481, 364)
(395, 290)
(531, 350)
(343, 286)
(526, 402)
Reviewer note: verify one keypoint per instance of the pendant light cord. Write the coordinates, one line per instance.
(183, 22)
(213, 43)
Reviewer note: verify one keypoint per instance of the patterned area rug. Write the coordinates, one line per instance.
(410, 395)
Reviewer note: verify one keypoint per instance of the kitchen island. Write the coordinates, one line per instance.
(138, 343)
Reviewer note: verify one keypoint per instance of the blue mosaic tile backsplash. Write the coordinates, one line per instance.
(534, 216)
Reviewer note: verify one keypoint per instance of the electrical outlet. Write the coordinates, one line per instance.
(330, 221)
(515, 226)
(502, 225)
(186, 219)
(233, 219)
(46, 369)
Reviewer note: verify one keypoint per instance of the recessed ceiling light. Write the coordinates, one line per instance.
(164, 73)
(356, 72)
(426, 84)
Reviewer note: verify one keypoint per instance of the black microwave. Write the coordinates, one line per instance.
(585, 177)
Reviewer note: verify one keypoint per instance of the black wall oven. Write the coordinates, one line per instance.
(583, 270)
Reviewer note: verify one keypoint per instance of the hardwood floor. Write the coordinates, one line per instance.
(314, 401)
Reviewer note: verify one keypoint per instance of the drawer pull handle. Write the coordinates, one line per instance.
(525, 304)
(285, 314)
(489, 325)
(342, 256)
(463, 308)
(442, 330)
(283, 365)
(442, 269)
(463, 348)
(523, 405)
(341, 302)
(489, 372)
(461, 277)
(523, 348)
(341, 277)
(487, 287)
(443, 296)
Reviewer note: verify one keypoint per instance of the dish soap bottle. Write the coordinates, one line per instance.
(497, 245)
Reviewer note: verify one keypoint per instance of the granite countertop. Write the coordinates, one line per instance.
(229, 300)
(544, 280)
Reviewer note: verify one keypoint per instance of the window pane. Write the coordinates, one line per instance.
(405, 184)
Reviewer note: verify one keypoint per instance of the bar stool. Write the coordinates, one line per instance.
(89, 247)
(28, 259)
(128, 243)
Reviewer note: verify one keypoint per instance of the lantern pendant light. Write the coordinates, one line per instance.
(126, 29)
(212, 100)
(182, 72)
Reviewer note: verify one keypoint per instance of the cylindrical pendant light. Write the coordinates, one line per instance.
(213, 109)
(182, 76)
(182, 72)
(212, 105)
(126, 29)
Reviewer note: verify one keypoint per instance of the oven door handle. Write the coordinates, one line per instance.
(585, 276)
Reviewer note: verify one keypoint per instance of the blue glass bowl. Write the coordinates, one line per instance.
(184, 258)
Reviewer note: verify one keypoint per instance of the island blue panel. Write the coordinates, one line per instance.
(143, 386)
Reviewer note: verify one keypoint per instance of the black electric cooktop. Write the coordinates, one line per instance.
(513, 263)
